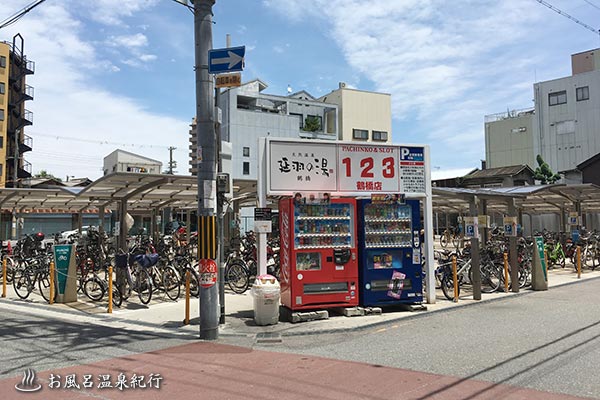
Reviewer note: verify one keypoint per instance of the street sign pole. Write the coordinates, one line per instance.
(207, 165)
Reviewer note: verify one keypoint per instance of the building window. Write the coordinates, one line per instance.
(583, 93)
(361, 134)
(1, 143)
(557, 98)
(246, 168)
(1, 114)
(1, 170)
(2, 88)
(520, 129)
(2, 62)
(300, 119)
(380, 136)
(246, 151)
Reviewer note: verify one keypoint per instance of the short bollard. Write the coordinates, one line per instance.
(455, 279)
(51, 299)
(506, 272)
(578, 262)
(4, 278)
(546, 258)
(187, 298)
(110, 289)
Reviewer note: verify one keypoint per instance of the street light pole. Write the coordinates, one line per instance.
(207, 164)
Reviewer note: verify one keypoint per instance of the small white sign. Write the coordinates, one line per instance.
(263, 226)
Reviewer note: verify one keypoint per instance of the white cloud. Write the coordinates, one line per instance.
(70, 102)
(446, 64)
(128, 41)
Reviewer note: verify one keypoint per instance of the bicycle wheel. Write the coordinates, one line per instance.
(444, 240)
(589, 257)
(448, 288)
(43, 279)
(22, 283)
(125, 290)
(93, 287)
(171, 282)
(237, 276)
(194, 281)
(143, 285)
(10, 267)
(117, 298)
(490, 277)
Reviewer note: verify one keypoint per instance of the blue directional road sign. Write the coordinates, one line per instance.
(221, 61)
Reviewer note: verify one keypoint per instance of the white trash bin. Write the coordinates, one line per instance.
(266, 293)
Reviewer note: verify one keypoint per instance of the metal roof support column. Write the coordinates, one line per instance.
(474, 206)
(563, 227)
(512, 250)
(101, 233)
(153, 231)
(121, 273)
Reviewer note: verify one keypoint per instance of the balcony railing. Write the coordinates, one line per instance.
(509, 114)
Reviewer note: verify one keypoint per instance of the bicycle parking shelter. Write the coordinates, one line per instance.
(149, 193)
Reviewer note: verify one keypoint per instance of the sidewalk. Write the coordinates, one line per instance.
(166, 316)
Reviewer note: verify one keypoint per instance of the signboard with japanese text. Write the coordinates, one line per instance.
(412, 169)
(344, 168)
(302, 166)
(367, 168)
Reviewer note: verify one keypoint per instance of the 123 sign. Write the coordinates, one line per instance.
(367, 168)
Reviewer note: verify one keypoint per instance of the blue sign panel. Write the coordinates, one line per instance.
(412, 154)
(221, 61)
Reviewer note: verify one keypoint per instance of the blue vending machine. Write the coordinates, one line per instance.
(389, 251)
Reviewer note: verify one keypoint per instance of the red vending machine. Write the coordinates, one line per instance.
(319, 259)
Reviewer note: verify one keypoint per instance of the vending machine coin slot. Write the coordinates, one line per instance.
(341, 256)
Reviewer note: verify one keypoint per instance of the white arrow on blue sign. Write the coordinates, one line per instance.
(221, 61)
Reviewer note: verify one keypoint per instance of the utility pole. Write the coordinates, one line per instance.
(207, 168)
(172, 163)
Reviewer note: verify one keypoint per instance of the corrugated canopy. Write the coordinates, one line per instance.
(539, 199)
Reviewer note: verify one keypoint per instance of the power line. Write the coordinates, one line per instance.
(564, 14)
(100, 142)
(592, 4)
(17, 16)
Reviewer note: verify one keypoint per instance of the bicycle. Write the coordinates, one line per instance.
(449, 236)
(27, 273)
(137, 279)
(95, 288)
(490, 275)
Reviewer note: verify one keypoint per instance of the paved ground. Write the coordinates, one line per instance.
(216, 371)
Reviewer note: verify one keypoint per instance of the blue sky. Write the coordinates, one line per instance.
(118, 74)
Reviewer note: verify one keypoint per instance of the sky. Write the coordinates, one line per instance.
(118, 74)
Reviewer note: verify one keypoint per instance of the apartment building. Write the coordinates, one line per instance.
(124, 161)
(248, 113)
(563, 127)
(14, 117)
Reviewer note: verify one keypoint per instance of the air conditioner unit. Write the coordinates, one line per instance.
(342, 85)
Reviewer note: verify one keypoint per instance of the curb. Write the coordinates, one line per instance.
(284, 331)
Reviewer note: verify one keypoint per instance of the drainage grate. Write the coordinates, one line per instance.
(268, 338)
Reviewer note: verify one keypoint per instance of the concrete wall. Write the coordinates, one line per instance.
(509, 141)
(568, 133)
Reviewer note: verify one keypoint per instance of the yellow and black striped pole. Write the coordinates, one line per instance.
(207, 237)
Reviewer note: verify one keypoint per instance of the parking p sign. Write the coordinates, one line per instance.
(471, 227)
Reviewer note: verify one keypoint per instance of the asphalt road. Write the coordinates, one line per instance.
(511, 349)
(546, 341)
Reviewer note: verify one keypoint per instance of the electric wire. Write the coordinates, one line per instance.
(19, 14)
(564, 14)
(592, 4)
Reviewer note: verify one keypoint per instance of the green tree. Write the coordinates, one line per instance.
(312, 124)
(543, 173)
(44, 174)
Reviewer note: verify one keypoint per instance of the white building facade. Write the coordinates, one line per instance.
(564, 127)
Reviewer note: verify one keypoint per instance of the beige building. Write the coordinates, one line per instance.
(509, 139)
(363, 116)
